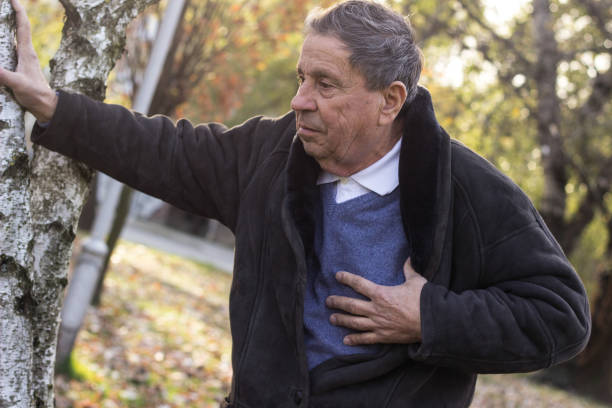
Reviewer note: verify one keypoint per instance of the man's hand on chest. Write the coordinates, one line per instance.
(392, 315)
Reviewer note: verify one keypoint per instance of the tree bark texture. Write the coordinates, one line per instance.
(16, 355)
(41, 199)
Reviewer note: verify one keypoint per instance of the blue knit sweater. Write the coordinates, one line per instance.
(364, 236)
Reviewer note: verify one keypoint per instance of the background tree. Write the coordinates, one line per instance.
(41, 198)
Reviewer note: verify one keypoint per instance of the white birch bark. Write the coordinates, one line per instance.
(41, 199)
(16, 355)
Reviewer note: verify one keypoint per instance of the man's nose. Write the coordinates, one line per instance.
(303, 101)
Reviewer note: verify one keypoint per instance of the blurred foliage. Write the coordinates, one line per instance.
(588, 255)
(272, 88)
(46, 19)
(220, 51)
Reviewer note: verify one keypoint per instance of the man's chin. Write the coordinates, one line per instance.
(310, 148)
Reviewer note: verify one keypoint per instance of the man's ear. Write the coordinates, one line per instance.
(394, 97)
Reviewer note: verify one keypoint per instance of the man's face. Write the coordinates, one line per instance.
(337, 116)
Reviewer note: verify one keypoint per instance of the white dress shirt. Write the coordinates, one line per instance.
(380, 177)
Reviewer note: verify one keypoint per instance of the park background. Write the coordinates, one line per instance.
(527, 88)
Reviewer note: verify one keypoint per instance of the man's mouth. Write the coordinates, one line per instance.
(305, 129)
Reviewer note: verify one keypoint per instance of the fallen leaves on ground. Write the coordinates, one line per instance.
(161, 339)
(517, 391)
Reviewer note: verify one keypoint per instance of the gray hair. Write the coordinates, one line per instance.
(380, 40)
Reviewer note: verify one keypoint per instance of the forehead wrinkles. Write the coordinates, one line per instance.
(322, 55)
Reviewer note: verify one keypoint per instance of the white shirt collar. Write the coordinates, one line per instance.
(381, 177)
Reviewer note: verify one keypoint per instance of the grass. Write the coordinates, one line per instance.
(160, 338)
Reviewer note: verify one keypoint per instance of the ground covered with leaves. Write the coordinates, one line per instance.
(160, 338)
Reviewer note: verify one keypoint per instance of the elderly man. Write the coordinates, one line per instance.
(378, 262)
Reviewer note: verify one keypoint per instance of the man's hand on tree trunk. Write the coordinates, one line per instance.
(28, 82)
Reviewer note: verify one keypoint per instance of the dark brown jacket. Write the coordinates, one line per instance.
(501, 296)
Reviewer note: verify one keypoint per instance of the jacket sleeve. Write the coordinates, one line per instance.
(529, 309)
(201, 169)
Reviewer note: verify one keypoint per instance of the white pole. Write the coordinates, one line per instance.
(94, 249)
(163, 41)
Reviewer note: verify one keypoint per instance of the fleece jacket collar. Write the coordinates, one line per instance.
(425, 185)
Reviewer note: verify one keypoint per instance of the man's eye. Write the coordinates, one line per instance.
(325, 85)
(300, 80)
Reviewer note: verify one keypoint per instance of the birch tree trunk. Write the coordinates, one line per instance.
(16, 355)
(41, 199)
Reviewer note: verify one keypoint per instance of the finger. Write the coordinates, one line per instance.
(24, 35)
(7, 78)
(357, 283)
(408, 269)
(349, 305)
(352, 322)
(356, 339)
